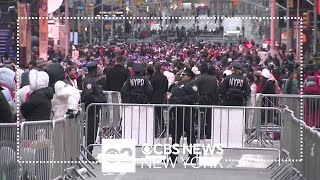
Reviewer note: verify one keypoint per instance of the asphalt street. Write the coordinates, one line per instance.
(186, 174)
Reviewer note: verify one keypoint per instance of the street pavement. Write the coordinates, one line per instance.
(235, 164)
(181, 173)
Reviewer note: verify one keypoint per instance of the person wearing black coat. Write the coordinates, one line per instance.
(137, 89)
(38, 106)
(116, 76)
(268, 87)
(184, 92)
(5, 109)
(159, 83)
(208, 90)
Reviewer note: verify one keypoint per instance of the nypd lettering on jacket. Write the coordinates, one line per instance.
(235, 82)
(137, 82)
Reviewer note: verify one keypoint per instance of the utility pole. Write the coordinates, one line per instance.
(112, 19)
(73, 23)
(67, 29)
(78, 22)
(272, 25)
(315, 29)
(102, 22)
(298, 32)
(288, 42)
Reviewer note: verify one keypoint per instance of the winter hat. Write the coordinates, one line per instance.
(38, 79)
(55, 72)
(40, 64)
(7, 77)
(266, 73)
(311, 81)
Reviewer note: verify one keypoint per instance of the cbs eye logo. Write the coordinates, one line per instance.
(115, 156)
(146, 149)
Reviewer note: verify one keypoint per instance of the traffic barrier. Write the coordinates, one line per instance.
(9, 168)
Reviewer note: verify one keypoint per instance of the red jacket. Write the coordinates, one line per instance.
(311, 106)
(316, 75)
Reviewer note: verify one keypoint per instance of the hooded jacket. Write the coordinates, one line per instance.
(7, 84)
(38, 105)
(65, 97)
(5, 109)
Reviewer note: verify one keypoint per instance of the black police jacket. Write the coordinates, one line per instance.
(116, 77)
(91, 92)
(235, 86)
(184, 92)
(137, 89)
(159, 83)
(208, 89)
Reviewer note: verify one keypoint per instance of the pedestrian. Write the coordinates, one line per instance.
(66, 97)
(137, 89)
(25, 75)
(83, 72)
(255, 86)
(159, 84)
(235, 88)
(312, 105)
(292, 84)
(208, 90)
(7, 82)
(116, 76)
(185, 92)
(5, 109)
(71, 76)
(92, 93)
(101, 78)
(38, 105)
(269, 86)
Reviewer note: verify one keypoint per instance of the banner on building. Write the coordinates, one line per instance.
(29, 37)
(43, 29)
(22, 13)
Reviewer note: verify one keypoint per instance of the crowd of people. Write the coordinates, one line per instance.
(187, 72)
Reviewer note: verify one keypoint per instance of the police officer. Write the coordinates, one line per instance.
(183, 92)
(235, 88)
(208, 90)
(92, 93)
(137, 89)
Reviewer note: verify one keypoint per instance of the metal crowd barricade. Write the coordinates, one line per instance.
(9, 168)
(36, 149)
(300, 152)
(51, 149)
(310, 104)
(111, 113)
(311, 154)
(59, 147)
(119, 120)
(203, 124)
